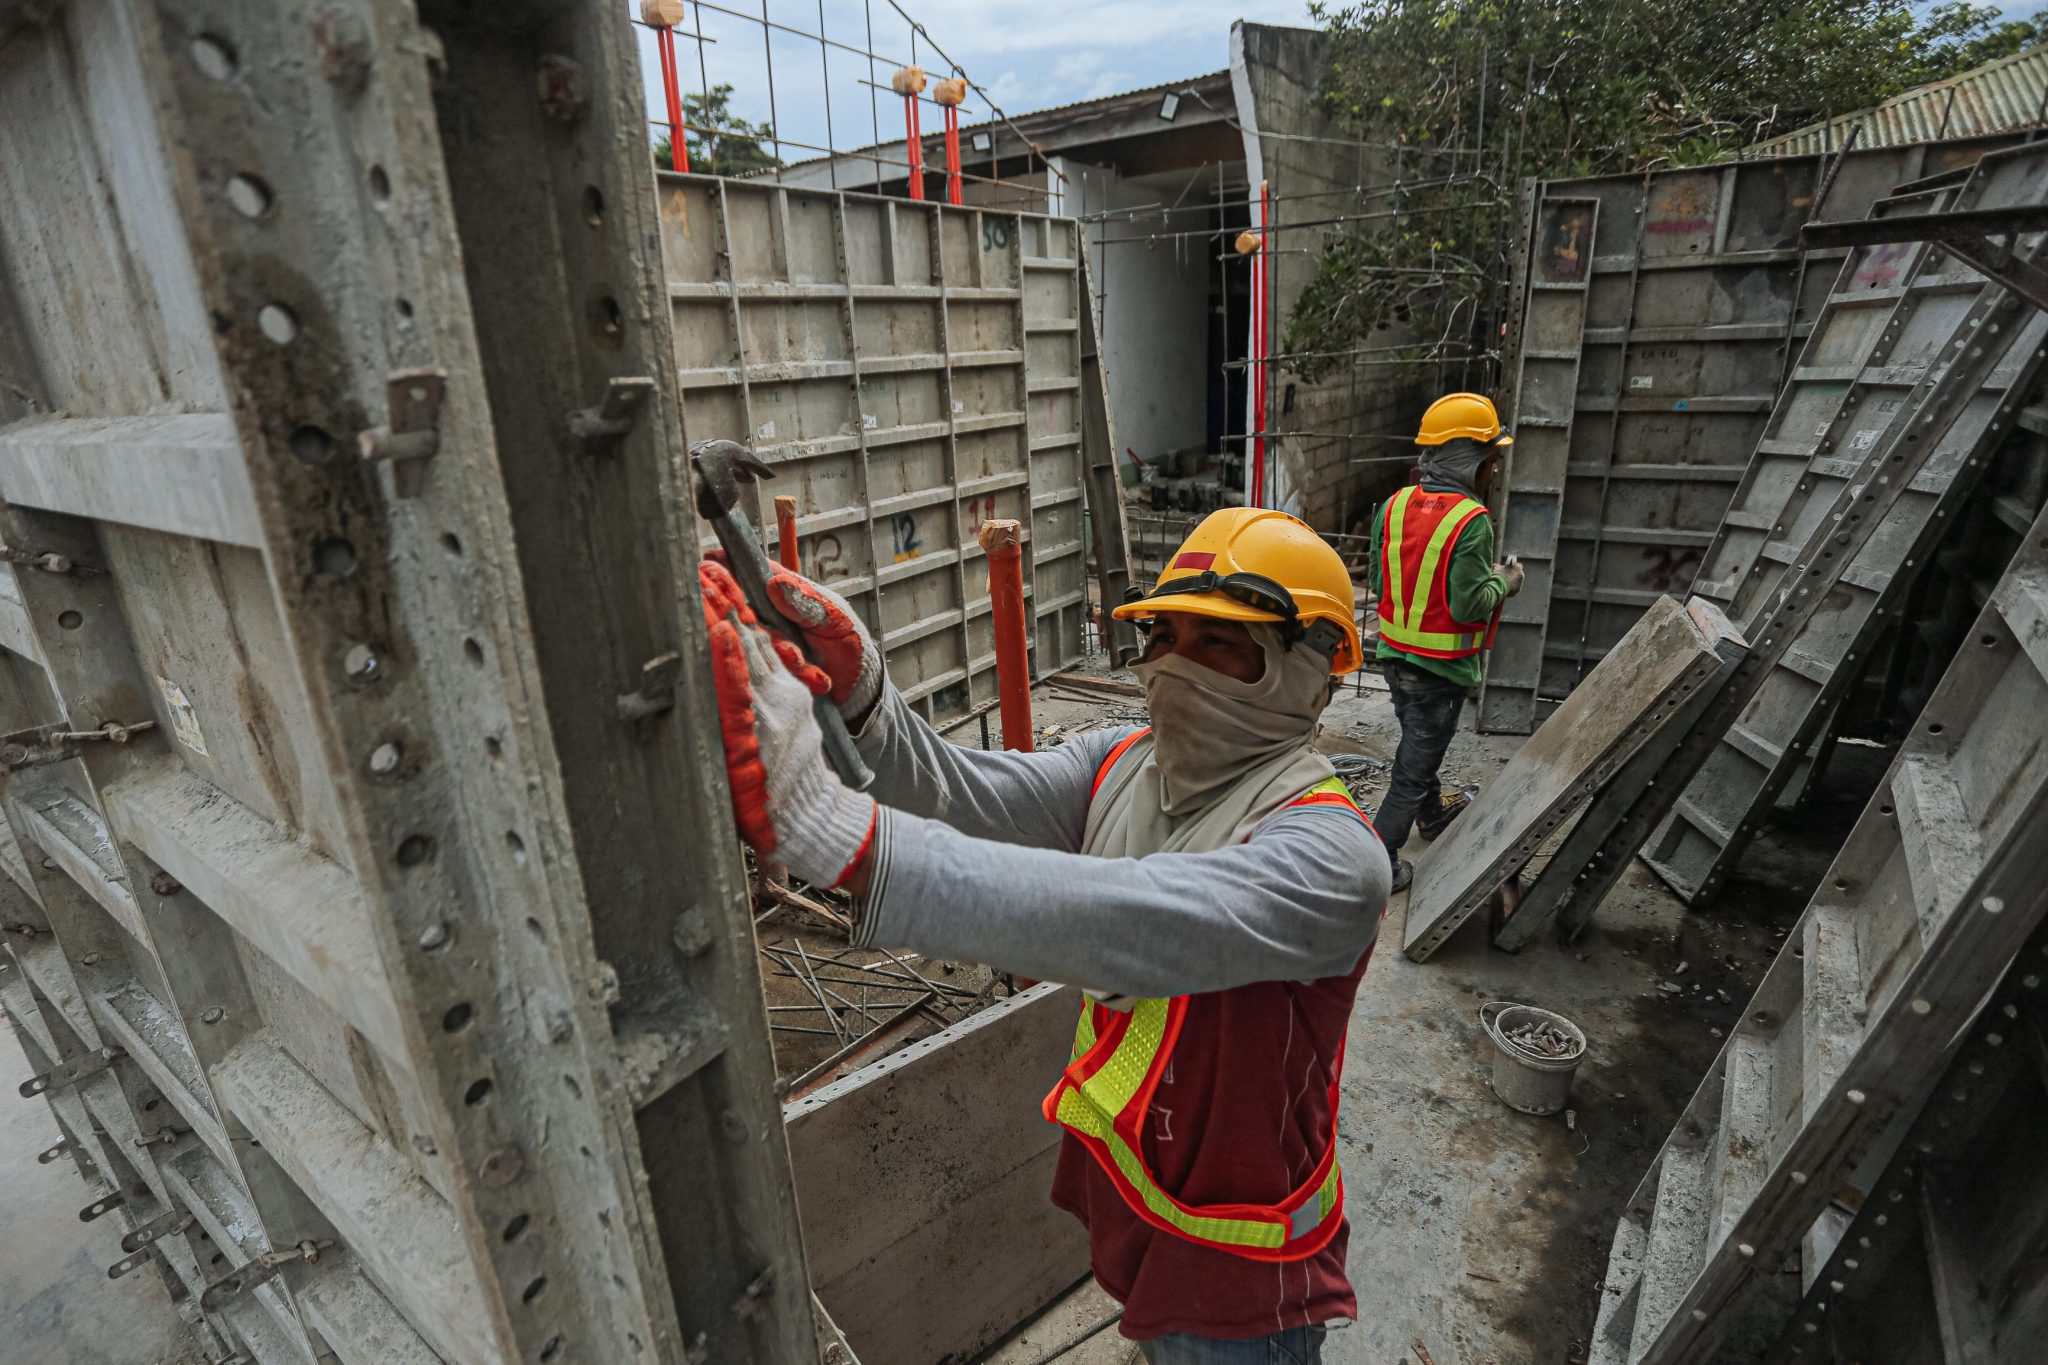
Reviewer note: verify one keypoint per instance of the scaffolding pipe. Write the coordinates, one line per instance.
(1002, 541)
(678, 136)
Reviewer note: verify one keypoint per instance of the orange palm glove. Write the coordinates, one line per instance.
(788, 802)
(843, 647)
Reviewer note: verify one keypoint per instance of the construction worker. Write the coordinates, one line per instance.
(1207, 880)
(1432, 570)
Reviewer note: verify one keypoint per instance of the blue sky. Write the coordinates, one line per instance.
(1028, 56)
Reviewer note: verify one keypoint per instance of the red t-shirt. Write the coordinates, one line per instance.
(1242, 1124)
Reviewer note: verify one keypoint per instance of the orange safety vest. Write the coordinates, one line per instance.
(1106, 1089)
(1417, 533)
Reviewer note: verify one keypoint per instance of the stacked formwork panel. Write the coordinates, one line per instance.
(913, 370)
(1935, 891)
(1699, 297)
(329, 982)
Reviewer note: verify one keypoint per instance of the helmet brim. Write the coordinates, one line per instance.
(1195, 604)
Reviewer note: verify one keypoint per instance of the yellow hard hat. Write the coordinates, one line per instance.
(1255, 564)
(1470, 415)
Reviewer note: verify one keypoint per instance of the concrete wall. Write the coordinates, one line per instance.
(1277, 74)
(1153, 305)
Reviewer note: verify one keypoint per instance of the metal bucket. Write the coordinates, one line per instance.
(1529, 1081)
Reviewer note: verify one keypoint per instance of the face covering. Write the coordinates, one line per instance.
(1453, 467)
(1210, 731)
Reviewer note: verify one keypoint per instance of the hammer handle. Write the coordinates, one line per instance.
(749, 565)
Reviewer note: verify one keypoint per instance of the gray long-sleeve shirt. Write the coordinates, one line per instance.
(976, 858)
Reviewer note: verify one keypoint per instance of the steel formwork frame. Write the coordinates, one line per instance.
(313, 795)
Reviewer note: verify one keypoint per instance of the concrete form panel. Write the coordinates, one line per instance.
(1699, 298)
(306, 786)
(1642, 686)
(912, 370)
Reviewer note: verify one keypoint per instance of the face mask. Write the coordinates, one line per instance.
(1209, 730)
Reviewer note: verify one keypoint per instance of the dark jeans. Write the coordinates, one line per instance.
(1427, 706)
(1295, 1346)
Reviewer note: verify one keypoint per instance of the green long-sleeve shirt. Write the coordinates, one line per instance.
(1475, 591)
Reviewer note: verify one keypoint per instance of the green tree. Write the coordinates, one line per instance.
(719, 142)
(1577, 87)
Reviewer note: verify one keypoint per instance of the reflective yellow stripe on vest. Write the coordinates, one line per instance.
(1412, 600)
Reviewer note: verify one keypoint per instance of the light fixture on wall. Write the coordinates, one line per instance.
(1170, 105)
(981, 142)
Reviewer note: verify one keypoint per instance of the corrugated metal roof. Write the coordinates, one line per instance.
(1994, 98)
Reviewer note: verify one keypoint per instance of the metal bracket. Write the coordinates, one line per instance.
(598, 430)
(102, 1206)
(133, 1261)
(171, 1224)
(50, 1154)
(658, 677)
(47, 562)
(1966, 233)
(71, 1073)
(261, 1270)
(54, 744)
(414, 434)
(162, 1137)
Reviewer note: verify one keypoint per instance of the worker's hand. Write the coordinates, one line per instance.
(1514, 575)
(843, 647)
(788, 802)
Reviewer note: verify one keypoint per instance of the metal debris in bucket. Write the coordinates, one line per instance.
(1540, 1038)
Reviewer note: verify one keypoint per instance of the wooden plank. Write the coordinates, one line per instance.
(304, 912)
(176, 472)
(404, 1233)
(1644, 682)
(944, 1143)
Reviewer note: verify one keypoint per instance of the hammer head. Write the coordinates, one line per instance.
(721, 466)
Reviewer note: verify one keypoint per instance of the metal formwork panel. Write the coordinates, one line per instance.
(300, 881)
(1938, 886)
(1552, 323)
(1700, 296)
(913, 370)
(1638, 801)
(1724, 805)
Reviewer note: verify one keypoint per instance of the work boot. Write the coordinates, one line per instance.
(1404, 873)
(1437, 816)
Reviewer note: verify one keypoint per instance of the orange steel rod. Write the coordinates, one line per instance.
(1002, 541)
(785, 532)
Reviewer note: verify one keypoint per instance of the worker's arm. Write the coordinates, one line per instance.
(1372, 560)
(1035, 799)
(1476, 588)
(1298, 901)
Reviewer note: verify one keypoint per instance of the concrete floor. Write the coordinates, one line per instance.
(57, 1306)
(1477, 1231)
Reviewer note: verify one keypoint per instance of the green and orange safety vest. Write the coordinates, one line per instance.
(1416, 538)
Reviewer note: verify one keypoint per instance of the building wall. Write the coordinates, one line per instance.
(1152, 300)
(1360, 412)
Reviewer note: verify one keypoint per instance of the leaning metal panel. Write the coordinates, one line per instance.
(1700, 296)
(915, 370)
(308, 954)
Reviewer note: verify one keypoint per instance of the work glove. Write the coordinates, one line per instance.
(1514, 575)
(789, 804)
(843, 647)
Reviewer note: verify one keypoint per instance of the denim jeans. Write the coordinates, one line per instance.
(1295, 1346)
(1427, 705)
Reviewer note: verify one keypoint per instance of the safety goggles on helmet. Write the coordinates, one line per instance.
(1256, 591)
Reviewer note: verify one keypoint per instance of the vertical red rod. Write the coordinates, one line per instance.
(1255, 486)
(953, 154)
(678, 136)
(1002, 541)
(785, 532)
(915, 141)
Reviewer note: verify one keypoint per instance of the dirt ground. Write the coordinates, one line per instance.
(1477, 1231)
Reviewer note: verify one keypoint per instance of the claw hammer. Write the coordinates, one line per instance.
(721, 467)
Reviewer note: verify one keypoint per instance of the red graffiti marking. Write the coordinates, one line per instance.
(1668, 568)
